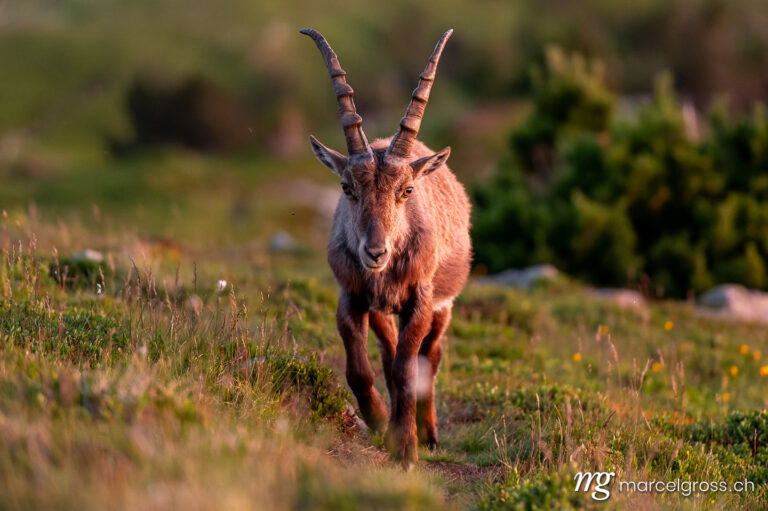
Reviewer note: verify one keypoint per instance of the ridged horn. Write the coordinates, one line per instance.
(351, 122)
(406, 134)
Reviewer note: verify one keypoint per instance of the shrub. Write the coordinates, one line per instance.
(194, 113)
(568, 96)
(620, 202)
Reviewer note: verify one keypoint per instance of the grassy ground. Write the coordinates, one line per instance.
(138, 382)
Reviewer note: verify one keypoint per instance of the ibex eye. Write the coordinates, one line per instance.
(407, 192)
(345, 188)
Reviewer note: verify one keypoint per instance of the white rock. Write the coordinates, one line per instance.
(736, 301)
(322, 198)
(88, 254)
(525, 278)
(627, 298)
(282, 242)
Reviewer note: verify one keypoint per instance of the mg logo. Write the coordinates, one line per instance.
(601, 480)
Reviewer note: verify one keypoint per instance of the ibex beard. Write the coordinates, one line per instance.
(399, 246)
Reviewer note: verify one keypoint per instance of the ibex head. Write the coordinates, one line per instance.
(377, 184)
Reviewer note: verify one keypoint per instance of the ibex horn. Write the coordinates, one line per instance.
(403, 140)
(350, 120)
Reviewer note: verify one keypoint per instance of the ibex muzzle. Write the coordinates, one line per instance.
(375, 245)
(399, 245)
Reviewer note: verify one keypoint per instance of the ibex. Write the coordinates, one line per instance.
(399, 245)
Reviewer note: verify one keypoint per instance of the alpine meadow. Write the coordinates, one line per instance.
(171, 269)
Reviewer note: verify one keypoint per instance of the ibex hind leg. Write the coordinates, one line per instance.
(430, 354)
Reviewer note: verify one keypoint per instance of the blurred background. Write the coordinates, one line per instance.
(624, 142)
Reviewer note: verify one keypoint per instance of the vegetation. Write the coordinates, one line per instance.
(157, 385)
(69, 65)
(637, 201)
(195, 366)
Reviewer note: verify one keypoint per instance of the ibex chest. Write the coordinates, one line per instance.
(387, 297)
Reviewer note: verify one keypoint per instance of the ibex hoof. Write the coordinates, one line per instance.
(402, 448)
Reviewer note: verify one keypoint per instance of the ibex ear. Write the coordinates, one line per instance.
(429, 164)
(334, 160)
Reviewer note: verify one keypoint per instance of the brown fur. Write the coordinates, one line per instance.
(400, 246)
(428, 266)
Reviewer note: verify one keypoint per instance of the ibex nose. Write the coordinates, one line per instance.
(375, 253)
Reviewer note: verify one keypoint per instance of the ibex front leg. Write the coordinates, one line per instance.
(386, 332)
(415, 322)
(352, 322)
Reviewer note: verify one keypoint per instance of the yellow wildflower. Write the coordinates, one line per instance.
(669, 325)
(656, 367)
(734, 371)
(764, 371)
(744, 349)
(726, 397)
(577, 357)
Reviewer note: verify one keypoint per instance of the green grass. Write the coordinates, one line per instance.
(160, 392)
(135, 397)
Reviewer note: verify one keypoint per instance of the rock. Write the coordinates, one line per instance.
(627, 298)
(282, 242)
(525, 278)
(322, 198)
(736, 301)
(361, 426)
(93, 256)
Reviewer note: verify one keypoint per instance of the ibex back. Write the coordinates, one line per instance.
(399, 245)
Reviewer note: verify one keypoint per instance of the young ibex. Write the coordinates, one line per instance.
(399, 245)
